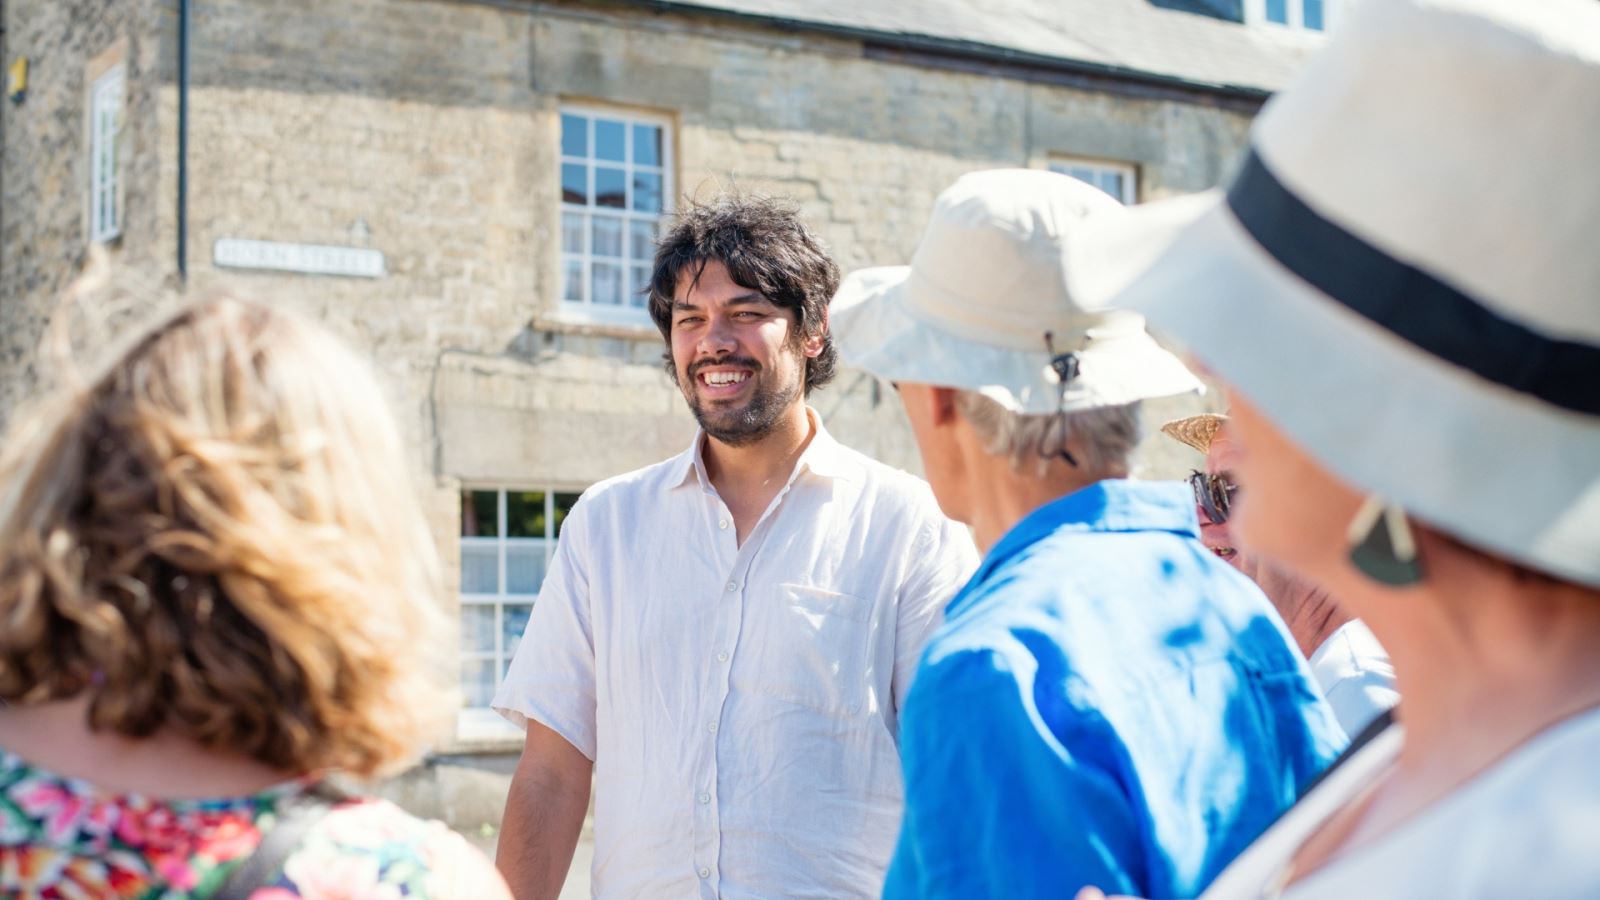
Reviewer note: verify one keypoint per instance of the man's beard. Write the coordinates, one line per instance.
(737, 427)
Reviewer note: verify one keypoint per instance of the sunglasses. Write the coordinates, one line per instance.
(1214, 494)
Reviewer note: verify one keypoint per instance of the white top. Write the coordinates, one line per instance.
(1525, 828)
(740, 703)
(1353, 670)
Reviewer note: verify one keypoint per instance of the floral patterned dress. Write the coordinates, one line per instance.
(63, 837)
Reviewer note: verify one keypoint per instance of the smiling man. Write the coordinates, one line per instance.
(725, 639)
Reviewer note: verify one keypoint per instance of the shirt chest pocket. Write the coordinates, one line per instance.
(818, 647)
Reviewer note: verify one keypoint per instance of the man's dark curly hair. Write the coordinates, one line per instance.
(766, 248)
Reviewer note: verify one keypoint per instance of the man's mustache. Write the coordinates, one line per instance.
(745, 361)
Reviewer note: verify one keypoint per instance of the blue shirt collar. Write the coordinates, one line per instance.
(1111, 505)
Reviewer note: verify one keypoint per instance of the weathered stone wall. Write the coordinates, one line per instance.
(44, 186)
(428, 130)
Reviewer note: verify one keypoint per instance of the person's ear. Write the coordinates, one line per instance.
(942, 405)
(813, 343)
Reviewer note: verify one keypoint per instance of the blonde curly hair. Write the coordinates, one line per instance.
(216, 537)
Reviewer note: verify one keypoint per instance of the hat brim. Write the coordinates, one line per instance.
(875, 329)
(1496, 468)
(1195, 431)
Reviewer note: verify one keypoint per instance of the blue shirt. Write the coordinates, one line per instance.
(1107, 703)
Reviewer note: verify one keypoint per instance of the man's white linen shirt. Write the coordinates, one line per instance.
(1355, 674)
(740, 702)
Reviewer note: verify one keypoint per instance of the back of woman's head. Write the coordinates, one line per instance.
(216, 537)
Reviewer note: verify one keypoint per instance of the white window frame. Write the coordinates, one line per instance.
(585, 310)
(480, 723)
(105, 123)
(1255, 13)
(1128, 171)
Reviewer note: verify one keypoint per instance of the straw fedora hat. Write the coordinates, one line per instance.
(984, 305)
(1196, 431)
(1403, 274)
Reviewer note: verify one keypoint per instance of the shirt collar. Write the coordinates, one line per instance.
(1112, 505)
(824, 457)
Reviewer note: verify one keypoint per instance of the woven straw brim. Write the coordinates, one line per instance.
(1196, 431)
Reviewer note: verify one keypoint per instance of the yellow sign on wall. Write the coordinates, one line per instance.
(17, 79)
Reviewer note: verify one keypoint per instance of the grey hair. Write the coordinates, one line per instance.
(1101, 439)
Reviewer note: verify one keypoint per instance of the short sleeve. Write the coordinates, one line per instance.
(1359, 698)
(942, 559)
(551, 679)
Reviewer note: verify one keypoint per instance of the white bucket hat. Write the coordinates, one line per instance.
(985, 288)
(1404, 275)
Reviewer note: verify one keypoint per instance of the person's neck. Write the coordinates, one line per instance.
(1310, 612)
(1317, 617)
(761, 466)
(56, 736)
(1006, 496)
(1484, 660)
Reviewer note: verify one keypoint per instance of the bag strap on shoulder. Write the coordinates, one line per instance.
(296, 816)
(1374, 728)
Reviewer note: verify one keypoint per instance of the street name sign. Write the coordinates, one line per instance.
(310, 259)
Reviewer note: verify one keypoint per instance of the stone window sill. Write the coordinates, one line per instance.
(482, 731)
(631, 324)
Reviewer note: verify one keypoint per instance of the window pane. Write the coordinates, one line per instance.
(574, 184)
(477, 682)
(1278, 11)
(105, 106)
(572, 280)
(647, 192)
(1312, 17)
(525, 514)
(607, 235)
(512, 624)
(639, 287)
(477, 628)
(642, 239)
(524, 565)
(607, 283)
(647, 145)
(478, 517)
(609, 140)
(610, 186)
(1111, 183)
(572, 232)
(480, 568)
(564, 503)
(574, 135)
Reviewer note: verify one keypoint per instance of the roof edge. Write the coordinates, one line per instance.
(925, 47)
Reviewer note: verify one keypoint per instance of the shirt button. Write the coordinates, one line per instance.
(712, 727)
(722, 657)
(705, 872)
(704, 797)
(733, 586)
(723, 524)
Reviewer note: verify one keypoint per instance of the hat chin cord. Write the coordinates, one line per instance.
(1052, 447)
(1066, 367)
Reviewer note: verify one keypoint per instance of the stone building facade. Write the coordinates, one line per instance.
(503, 157)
